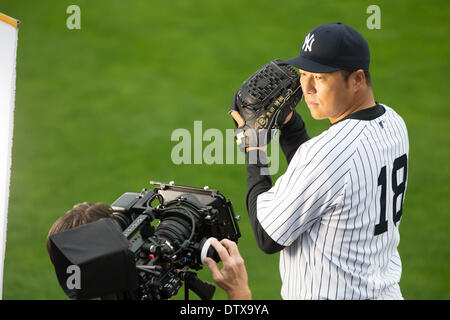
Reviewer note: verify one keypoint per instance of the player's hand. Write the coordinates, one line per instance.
(288, 117)
(238, 118)
(240, 122)
(232, 278)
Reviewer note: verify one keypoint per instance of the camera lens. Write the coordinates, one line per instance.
(175, 229)
(122, 220)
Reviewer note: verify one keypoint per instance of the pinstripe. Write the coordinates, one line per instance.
(377, 239)
(393, 152)
(361, 214)
(384, 162)
(321, 262)
(353, 230)
(293, 224)
(298, 154)
(314, 252)
(348, 252)
(366, 195)
(309, 172)
(387, 252)
(327, 205)
(309, 185)
(370, 224)
(333, 246)
(398, 151)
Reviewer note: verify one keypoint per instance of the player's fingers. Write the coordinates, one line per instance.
(221, 250)
(238, 118)
(288, 117)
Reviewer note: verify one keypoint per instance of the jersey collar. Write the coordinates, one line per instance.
(365, 114)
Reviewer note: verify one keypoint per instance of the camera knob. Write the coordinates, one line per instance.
(209, 251)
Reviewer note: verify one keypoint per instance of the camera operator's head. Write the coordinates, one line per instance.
(80, 214)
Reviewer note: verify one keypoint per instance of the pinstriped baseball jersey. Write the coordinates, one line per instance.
(337, 211)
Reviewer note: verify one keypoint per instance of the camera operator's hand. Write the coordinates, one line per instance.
(232, 278)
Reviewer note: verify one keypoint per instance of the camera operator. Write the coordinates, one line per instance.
(232, 278)
(80, 214)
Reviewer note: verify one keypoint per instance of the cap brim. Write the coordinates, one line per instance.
(310, 66)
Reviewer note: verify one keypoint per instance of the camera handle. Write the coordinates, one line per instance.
(204, 289)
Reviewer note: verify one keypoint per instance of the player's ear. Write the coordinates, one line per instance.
(357, 79)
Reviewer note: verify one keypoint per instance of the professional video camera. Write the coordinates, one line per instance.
(134, 257)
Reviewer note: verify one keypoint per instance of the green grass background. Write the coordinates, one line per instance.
(95, 109)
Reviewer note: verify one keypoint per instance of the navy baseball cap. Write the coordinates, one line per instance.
(331, 47)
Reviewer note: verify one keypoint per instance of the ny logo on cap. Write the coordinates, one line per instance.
(308, 42)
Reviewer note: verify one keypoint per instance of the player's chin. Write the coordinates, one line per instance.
(315, 111)
(316, 114)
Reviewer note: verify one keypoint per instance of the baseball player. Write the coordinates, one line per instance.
(334, 214)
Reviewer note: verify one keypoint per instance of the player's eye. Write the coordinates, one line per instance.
(303, 75)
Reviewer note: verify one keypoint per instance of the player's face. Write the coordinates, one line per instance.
(326, 94)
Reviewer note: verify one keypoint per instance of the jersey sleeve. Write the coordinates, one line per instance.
(293, 135)
(310, 187)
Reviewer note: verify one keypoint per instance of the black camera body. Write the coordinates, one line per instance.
(163, 253)
(188, 218)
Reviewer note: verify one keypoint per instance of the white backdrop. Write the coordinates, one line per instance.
(8, 50)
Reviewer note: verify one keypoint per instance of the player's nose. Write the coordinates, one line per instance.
(307, 84)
